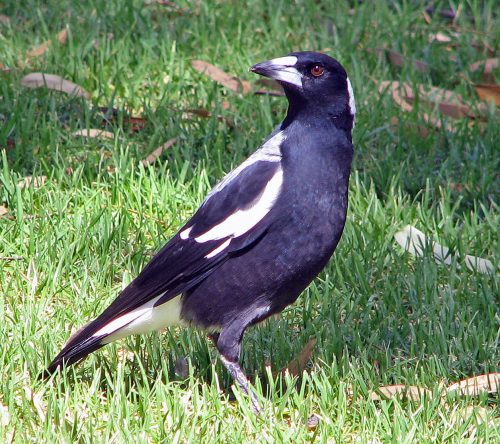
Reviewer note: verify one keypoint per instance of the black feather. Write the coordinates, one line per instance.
(181, 264)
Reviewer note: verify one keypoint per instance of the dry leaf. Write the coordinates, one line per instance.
(52, 81)
(412, 392)
(268, 83)
(5, 20)
(480, 414)
(42, 49)
(488, 383)
(267, 92)
(36, 181)
(202, 112)
(414, 241)
(11, 258)
(471, 415)
(3, 210)
(488, 66)
(5, 70)
(440, 37)
(448, 102)
(136, 124)
(489, 92)
(479, 264)
(222, 77)
(400, 60)
(403, 95)
(111, 115)
(298, 364)
(272, 88)
(427, 17)
(175, 7)
(94, 133)
(422, 130)
(151, 158)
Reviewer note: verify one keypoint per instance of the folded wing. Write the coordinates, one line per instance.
(232, 218)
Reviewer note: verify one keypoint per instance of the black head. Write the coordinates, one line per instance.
(314, 83)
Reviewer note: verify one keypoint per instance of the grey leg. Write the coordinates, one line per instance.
(229, 345)
(238, 375)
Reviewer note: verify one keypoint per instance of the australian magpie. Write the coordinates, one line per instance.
(260, 236)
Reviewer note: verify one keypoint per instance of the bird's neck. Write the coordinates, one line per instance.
(342, 119)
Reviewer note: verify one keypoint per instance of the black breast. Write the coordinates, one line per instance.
(305, 226)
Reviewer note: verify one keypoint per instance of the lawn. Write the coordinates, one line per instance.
(80, 216)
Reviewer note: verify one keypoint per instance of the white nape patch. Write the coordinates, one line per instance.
(185, 234)
(352, 103)
(268, 152)
(218, 249)
(242, 221)
(143, 319)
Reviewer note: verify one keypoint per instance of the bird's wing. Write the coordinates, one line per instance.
(230, 219)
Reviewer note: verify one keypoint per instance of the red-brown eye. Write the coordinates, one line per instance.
(317, 70)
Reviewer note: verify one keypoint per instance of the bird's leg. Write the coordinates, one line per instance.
(235, 370)
(229, 345)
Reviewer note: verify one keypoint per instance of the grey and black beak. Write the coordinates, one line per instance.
(282, 69)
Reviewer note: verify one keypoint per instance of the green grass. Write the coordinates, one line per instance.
(380, 315)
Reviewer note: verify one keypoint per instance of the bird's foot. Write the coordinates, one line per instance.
(238, 375)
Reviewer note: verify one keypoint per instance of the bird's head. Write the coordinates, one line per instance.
(313, 83)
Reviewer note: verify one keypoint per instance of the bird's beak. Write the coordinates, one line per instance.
(281, 69)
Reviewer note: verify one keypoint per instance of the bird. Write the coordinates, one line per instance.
(261, 235)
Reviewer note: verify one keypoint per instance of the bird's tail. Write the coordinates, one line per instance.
(81, 344)
(114, 323)
(107, 327)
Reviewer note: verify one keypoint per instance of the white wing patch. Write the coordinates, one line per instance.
(143, 319)
(185, 234)
(242, 221)
(220, 248)
(268, 152)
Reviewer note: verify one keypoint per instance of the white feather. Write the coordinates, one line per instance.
(284, 70)
(143, 319)
(284, 61)
(352, 102)
(185, 234)
(242, 221)
(289, 75)
(220, 248)
(268, 152)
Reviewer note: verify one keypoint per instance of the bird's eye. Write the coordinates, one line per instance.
(317, 70)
